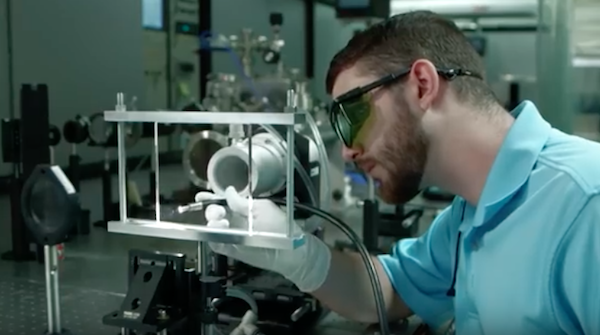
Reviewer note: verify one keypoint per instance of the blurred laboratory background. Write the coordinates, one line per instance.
(64, 63)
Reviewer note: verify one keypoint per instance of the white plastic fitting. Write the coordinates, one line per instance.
(229, 166)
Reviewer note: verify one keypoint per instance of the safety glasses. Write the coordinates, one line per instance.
(349, 112)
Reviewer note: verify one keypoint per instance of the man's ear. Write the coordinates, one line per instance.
(425, 83)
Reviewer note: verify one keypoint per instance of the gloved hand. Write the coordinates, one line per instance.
(306, 266)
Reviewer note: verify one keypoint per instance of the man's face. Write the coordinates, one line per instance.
(391, 147)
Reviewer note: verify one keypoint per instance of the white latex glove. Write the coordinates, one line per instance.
(247, 326)
(306, 266)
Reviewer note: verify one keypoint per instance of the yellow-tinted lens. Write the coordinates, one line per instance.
(355, 112)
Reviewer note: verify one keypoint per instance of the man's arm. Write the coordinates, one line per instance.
(575, 284)
(415, 277)
(348, 292)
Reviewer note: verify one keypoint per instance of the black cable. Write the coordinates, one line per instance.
(452, 291)
(362, 250)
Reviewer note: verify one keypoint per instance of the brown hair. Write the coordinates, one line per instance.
(402, 39)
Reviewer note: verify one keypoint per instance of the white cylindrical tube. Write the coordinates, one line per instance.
(229, 167)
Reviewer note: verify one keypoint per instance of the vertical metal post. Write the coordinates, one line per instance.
(10, 63)
(205, 64)
(155, 162)
(291, 148)
(309, 38)
(250, 183)
(204, 258)
(203, 269)
(199, 256)
(52, 290)
(371, 189)
(122, 159)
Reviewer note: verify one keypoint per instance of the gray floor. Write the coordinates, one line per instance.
(93, 272)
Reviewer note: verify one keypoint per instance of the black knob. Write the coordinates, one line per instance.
(53, 135)
(276, 19)
(76, 131)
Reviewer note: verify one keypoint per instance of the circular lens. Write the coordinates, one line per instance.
(99, 130)
(46, 204)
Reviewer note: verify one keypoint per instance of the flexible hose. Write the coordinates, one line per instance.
(362, 250)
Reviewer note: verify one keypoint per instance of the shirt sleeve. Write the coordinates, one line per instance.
(575, 287)
(420, 270)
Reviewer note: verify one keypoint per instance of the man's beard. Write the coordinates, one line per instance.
(403, 158)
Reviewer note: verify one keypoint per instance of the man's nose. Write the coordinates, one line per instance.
(350, 154)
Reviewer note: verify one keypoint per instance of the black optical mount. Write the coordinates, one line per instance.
(165, 295)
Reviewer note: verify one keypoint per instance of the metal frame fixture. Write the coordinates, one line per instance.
(158, 228)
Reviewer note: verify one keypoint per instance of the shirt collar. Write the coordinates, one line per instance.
(516, 159)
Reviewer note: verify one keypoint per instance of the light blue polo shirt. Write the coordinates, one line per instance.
(529, 253)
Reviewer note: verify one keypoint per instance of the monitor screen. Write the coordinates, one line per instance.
(347, 4)
(362, 9)
(152, 14)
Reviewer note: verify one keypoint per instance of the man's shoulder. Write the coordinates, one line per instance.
(570, 159)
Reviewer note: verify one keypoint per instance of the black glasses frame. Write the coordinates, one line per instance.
(357, 93)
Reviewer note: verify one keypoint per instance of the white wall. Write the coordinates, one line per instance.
(331, 36)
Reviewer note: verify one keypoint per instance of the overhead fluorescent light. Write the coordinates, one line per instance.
(468, 8)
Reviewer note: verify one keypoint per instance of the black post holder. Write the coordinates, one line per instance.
(164, 296)
(22, 146)
(158, 294)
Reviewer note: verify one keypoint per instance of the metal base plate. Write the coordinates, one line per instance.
(189, 232)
